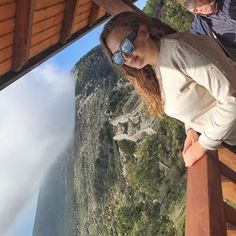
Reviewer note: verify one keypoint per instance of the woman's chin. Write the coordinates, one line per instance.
(139, 67)
(139, 64)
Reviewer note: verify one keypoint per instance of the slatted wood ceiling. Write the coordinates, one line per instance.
(33, 30)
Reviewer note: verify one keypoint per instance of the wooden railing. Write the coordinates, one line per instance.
(211, 184)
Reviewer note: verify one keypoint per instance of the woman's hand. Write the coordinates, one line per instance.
(191, 138)
(193, 153)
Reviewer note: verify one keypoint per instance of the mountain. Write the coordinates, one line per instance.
(51, 202)
(53, 214)
(121, 175)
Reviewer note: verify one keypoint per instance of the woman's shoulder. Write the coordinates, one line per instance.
(173, 42)
(188, 48)
(184, 37)
(187, 42)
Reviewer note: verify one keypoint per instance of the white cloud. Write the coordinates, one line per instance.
(36, 124)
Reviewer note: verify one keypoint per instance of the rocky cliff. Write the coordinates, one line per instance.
(122, 175)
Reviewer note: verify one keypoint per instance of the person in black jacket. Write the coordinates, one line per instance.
(216, 18)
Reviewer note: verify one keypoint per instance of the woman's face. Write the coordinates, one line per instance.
(140, 57)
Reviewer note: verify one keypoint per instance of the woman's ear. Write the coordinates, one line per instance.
(144, 31)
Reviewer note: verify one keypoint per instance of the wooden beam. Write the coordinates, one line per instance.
(229, 189)
(230, 214)
(93, 15)
(23, 29)
(69, 14)
(204, 207)
(228, 158)
(114, 7)
(231, 230)
(227, 172)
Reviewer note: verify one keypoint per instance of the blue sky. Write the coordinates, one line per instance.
(48, 100)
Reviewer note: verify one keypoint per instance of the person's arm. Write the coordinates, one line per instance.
(217, 75)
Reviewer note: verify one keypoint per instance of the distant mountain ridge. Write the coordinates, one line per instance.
(49, 218)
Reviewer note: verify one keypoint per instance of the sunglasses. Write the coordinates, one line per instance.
(127, 47)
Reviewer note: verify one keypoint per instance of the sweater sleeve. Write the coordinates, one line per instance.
(204, 62)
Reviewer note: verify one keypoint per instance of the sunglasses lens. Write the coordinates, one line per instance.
(118, 59)
(127, 47)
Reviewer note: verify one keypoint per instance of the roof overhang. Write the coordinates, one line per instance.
(31, 31)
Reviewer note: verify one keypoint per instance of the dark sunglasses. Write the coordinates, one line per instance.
(127, 47)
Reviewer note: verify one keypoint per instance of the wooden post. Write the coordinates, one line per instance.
(93, 15)
(23, 29)
(68, 20)
(205, 208)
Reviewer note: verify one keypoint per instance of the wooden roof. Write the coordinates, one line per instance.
(33, 30)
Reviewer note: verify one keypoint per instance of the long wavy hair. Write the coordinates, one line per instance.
(143, 80)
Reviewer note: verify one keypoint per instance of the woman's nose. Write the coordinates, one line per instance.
(128, 57)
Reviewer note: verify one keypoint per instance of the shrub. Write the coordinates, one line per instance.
(127, 146)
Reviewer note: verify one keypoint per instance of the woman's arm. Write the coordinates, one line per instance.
(202, 60)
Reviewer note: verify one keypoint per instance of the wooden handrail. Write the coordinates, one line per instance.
(204, 207)
(206, 212)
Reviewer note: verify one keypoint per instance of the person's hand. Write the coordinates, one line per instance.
(191, 138)
(193, 153)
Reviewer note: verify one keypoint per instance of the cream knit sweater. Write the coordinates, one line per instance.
(198, 85)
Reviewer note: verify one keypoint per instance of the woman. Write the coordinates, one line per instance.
(184, 75)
